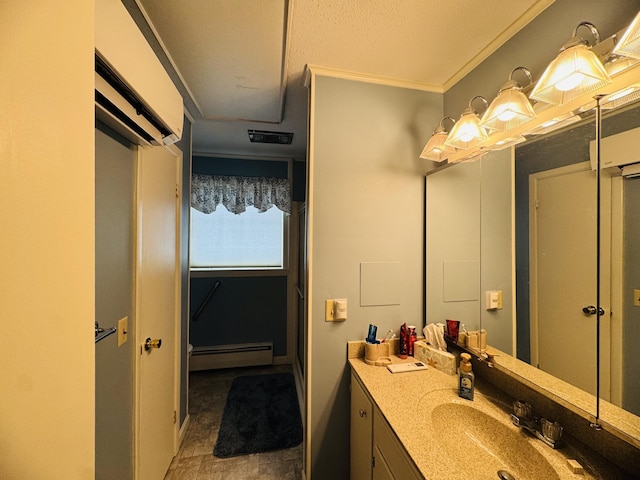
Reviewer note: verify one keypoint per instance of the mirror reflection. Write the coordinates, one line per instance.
(556, 251)
(554, 221)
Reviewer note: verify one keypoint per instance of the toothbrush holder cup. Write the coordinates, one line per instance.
(377, 354)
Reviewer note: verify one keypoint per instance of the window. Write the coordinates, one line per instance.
(238, 222)
(223, 240)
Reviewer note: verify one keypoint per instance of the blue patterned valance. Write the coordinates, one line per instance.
(235, 193)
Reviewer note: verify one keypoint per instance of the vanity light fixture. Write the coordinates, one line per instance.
(554, 124)
(435, 149)
(467, 132)
(472, 157)
(511, 107)
(574, 72)
(616, 64)
(621, 97)
(508, 142)
(629, 44)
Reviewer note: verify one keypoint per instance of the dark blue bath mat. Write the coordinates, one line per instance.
(261, 414)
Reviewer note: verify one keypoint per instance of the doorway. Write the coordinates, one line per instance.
(563, 253)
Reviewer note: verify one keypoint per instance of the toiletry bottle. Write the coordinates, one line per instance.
(413, 336)
(465, 378)
(404, 341)
(462, 336)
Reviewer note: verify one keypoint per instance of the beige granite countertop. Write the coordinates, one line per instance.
(402, 398)
(613, 418)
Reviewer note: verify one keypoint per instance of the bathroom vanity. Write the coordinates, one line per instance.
(413, 425)
(376, 452)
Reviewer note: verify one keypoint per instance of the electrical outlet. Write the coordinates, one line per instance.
(636, 297)
(123, 329)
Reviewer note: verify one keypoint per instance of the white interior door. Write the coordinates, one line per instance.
(563, 248)
(157, 291)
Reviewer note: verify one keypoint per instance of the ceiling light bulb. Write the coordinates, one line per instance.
(467, 132)
(511, 107)
(435, 149)
(506, 115)
(466, 136)
(575, 71)
(571, 82)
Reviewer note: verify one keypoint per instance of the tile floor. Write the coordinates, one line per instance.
(195, 461)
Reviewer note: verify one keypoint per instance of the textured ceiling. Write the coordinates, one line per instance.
(241, 62)
(229, 53)
(426, 41)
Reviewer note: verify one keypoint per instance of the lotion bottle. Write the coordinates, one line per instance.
(465, 377)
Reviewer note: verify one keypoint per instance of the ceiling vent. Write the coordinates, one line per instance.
(263, 136)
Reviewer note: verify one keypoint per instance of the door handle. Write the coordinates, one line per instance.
(591, 310)
(149, 344)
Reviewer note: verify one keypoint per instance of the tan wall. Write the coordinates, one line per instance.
(47, 241)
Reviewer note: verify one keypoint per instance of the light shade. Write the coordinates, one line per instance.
(435, 149)
(510, 108)
(574, 72)
(467, 132)
(629, 44)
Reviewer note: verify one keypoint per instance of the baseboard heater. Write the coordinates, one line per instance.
(229, 356)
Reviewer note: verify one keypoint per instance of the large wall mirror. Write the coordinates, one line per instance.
(525, 222)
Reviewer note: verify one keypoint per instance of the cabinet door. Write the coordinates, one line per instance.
(361, 439)
(390, 454)
(381, 470)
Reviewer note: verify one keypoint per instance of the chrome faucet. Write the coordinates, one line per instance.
(547, 431)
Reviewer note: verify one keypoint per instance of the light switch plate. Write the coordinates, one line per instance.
(123, 329)
(340, 309)
(636, 297)
(328, 311)
(493, 300)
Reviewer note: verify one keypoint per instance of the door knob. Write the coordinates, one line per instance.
(149, 344)
(591, 310)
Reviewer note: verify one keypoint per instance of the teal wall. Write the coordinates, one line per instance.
(242, 310)
(364, 204)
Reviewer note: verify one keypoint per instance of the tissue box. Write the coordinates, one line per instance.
(443, 361)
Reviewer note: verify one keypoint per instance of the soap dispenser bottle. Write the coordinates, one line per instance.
(465, 377)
